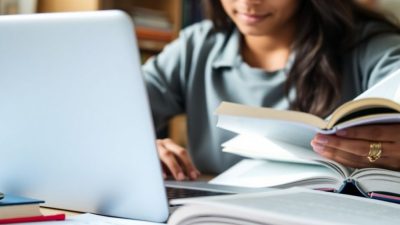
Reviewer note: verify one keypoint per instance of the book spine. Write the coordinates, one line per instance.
(33, 219)
(351, 187)
(384, 197)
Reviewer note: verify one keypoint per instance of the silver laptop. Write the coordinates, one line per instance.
(75, 124)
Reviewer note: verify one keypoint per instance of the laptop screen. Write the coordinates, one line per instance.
(76, 128)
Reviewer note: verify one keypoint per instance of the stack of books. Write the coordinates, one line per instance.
(16, 209)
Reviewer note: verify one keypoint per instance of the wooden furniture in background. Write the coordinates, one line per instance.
(149, 45)
(68, 5)
(50, 211)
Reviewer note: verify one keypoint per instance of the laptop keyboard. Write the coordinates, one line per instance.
(174, 193)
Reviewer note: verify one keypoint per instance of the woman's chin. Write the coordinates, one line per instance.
(253, 31)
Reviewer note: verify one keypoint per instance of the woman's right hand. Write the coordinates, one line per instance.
(176, 160)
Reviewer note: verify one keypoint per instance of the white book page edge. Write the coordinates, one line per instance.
(262, 173)
(284, 207)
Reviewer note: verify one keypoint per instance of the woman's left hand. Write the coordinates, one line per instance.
(351, 146)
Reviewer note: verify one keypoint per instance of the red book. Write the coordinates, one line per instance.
(33, 219)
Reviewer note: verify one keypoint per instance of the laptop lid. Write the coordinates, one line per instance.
(75, 124)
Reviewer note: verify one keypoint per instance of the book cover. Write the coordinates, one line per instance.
(42, 218)
(9, 200)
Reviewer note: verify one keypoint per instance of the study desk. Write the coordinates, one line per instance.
(76, 218)
(50, 211)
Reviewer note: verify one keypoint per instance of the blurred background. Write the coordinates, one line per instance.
(157, 22)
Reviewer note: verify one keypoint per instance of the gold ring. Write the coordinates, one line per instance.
(375, 151)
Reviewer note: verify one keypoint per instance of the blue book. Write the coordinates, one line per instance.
(17, 200)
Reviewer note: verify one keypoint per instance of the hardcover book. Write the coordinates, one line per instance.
(17, 209)
(280, 140)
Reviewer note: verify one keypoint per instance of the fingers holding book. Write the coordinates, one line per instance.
(376, 132)
(361, 147)
(339, 155)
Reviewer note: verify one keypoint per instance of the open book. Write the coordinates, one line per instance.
(282, 139)
(290, 206)
(353, 113)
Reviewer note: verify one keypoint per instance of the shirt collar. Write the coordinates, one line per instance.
(230, 51)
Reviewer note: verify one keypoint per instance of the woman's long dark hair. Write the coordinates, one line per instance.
(328, 29)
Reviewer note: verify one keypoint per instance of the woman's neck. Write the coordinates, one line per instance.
(268, 52)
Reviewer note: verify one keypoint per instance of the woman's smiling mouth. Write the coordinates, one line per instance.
(252, 18)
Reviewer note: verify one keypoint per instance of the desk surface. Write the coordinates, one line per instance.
(50, 211)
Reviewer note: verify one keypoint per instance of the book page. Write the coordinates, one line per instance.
(385, 118)
(388, 87)
(377, 180)
(259, 147)
(284, 131)
(290, 206)
(264, 173)
(363, 109)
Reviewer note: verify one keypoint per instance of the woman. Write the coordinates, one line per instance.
(305, 55)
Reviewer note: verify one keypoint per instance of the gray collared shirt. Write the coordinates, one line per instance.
(202, 67)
